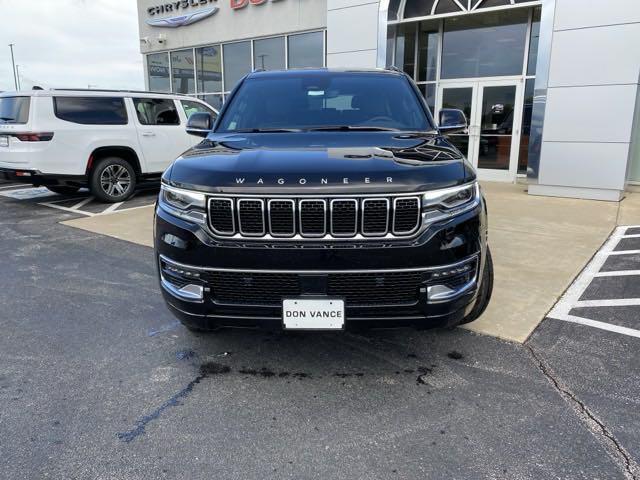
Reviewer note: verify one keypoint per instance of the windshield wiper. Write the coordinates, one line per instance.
(348, 128)
(267, 130)
(8, 119)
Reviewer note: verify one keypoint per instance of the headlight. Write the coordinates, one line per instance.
(185, 204)
(448, 202)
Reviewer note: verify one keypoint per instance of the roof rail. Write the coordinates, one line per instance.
(115, 91)
(393, 68)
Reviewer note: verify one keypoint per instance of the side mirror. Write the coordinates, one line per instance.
(452, 120)
(200, 124)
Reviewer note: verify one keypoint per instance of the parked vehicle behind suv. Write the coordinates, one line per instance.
(108, 141)
(323, 199)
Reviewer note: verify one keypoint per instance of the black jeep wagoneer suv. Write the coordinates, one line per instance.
(323, 199)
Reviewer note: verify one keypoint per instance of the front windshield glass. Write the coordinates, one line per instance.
(325, 100)
(14, 109)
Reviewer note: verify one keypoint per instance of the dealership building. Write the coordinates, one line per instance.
(549, 87)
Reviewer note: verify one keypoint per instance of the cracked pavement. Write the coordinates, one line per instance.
(98, 380)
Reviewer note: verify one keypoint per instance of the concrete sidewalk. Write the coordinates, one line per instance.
(539, 245)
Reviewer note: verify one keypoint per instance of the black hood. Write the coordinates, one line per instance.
(322, 162)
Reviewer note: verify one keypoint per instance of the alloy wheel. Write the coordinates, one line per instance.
(115, 180)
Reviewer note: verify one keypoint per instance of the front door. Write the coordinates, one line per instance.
(494, 110)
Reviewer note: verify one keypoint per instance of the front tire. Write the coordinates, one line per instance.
(62, 190)
(113, 179)
(486, 288)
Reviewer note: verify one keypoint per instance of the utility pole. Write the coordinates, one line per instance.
(13, 63)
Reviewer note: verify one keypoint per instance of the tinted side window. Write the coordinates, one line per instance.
(91, 110)
(156, 111)
(194, 107)
(14, 109)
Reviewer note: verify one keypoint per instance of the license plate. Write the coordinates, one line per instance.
(4, 141)
(313, 314)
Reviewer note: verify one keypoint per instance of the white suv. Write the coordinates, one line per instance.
(109, 141)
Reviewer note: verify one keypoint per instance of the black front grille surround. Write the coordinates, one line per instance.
(358, 288)
(267, 289)
(300, 218)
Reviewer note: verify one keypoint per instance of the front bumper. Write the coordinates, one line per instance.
(199, 275)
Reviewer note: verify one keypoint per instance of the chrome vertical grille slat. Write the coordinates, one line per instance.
(375, 216)
(282, 217)
(344, 217)
(406, 215)
(313, 217)
(221, 216)
(299, 218)
(251, 217)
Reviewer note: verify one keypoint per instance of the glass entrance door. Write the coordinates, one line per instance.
(492, 109)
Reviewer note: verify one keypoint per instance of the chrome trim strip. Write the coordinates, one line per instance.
(189, 293)
(355, 224)
(393, 216)
(446, 294)
(264, 226)
(293, 217)
(312, 272)
(233, 217)
(316, 195)
(324, 223)
(364, 211)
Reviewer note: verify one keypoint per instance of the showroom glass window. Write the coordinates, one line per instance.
(182, 73)
(306, 50)
(209, 69)
(268, 54)
(158, 68)
(487, 45)
(237, 63)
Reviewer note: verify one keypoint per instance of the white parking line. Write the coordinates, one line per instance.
(635, 235)
(571, 298)
(618, 273)
(81, 203)
(15, 185)
(624, 252)
(67, 209)
(112, 207)
(601, 325)
(617, 302)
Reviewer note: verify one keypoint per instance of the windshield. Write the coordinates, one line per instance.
(325, 101)
(14, 109)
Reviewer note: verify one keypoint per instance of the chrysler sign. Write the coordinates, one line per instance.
(186, 14)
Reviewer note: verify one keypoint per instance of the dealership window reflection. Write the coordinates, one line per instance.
(209, 69)
(268, 54)
(237, 62)
(487, 45)
(158, 69)
(306, 50)
(182, 71)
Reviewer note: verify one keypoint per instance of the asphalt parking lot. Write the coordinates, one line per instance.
(98, 380)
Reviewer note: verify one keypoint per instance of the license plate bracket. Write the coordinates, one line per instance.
(319, 313)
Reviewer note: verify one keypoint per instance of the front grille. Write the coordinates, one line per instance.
(282, 218)
(357, 289)
(240, 288)
(326, 218)
(406, 215)
(251, 217)
(375, 216)
(313, 222)
(375, 288)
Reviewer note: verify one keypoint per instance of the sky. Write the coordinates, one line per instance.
(71, 44)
